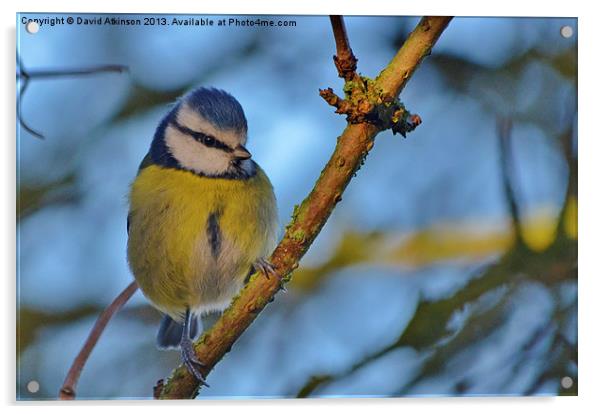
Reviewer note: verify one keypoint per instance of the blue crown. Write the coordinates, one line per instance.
(218, 107)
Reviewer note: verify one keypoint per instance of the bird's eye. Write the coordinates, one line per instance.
(209, 141)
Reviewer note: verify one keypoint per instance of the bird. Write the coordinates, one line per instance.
(202, 217)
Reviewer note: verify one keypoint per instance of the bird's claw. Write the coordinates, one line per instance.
(192, 362)
(264, 266)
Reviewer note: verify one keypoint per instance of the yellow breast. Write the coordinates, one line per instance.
(192, 240)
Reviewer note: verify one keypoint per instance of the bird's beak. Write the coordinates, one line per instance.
(241, 153)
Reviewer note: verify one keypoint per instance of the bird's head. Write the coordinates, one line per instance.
(205, 133)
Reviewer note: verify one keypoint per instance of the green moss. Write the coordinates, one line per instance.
(295, 211)
(176, 375)
(349, 87)
(287, 278)
(298, 236)
(294, 216)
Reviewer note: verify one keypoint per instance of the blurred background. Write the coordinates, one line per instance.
(449, 267)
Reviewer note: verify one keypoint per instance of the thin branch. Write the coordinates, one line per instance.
(307, 221)
(365, 99)
(509, 181)
(26, 76)
(345, 61)
(67, 392)
(60, 73)
(24, 125)
(570, 156)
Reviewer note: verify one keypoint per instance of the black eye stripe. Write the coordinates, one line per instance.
(207, 140)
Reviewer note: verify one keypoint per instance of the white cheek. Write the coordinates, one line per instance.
(194, 155)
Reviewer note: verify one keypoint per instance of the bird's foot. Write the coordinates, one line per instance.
(191, 361)
(264, 266)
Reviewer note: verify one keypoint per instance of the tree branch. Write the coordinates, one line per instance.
(509, 181)
(25, 76)
(61, 73)
(570, 198)
(345, 61)
(67, 392)
(351, 149)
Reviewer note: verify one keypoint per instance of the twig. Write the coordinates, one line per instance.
(504, 134)
(570, 155)
(365, 99)
(352, 147)
(59, 73)
(67, 391)
(20, 112)
(26, 76)
(345, 61)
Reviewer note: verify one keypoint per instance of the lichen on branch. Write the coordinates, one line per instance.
(365, 102)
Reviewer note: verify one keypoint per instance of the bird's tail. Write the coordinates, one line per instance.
(170, 332)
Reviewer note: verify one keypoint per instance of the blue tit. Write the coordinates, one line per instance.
(202, 216)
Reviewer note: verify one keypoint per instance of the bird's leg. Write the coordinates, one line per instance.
(264, 266)
(189, 358)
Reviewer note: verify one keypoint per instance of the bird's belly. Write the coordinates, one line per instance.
(217, 274)
(178, 270)
(193, 249)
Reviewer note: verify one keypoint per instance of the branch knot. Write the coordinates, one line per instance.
(346, 64)
(366, 102)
